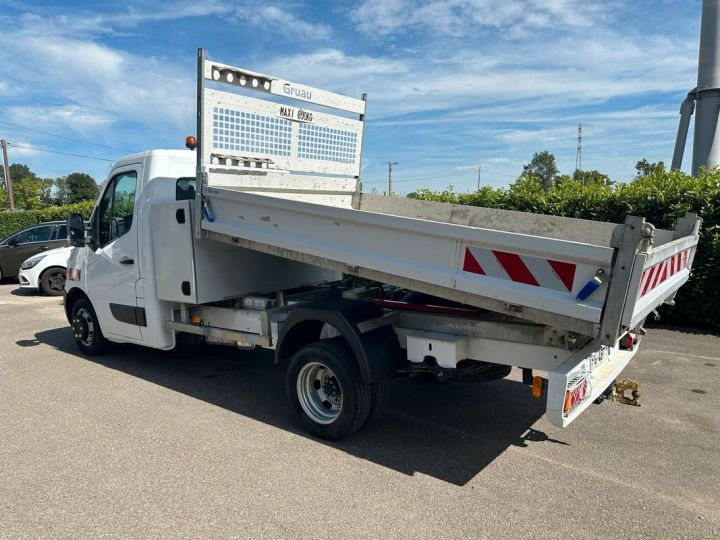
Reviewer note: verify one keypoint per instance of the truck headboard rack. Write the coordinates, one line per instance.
(292, 141)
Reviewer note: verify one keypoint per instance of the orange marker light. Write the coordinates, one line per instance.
(191, 142)
(537, 387)
(566, 405)
(196, 319)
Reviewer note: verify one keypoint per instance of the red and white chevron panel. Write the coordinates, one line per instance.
(657, 273)
(535, 271)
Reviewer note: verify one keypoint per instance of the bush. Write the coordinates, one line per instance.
(661, 197)
(11, 222)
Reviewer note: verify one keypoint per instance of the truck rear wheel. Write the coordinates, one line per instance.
(326, 391)
(86, 328)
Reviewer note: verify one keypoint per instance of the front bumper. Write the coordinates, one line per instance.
(28, 279)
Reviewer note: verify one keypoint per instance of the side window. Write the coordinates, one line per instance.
(61, 232)
(104, 213)
(36, 234)
(117, 207)
(8, 240)
(185, 189)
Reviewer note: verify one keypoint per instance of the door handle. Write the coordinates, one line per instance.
(127, 260)
(44, 248)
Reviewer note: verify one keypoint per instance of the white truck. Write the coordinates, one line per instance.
(261, 237)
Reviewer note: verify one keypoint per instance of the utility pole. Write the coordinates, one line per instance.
(6, 171)
(578, 152)
(479, 175)
(390, 164)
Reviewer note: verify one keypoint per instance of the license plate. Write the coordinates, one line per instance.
(575, 394)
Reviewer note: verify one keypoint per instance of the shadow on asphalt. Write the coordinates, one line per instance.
(450, 431)
(24, 292)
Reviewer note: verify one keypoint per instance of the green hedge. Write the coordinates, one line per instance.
(11, 222)
(661, 198)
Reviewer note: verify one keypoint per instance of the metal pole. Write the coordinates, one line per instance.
(479, 175)
(390, 164)
(706, 143)
(199, 136)
(6, 171)
(389, 177)
(686, 111)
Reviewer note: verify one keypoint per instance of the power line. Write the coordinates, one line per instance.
(15, 145)
(65, 137)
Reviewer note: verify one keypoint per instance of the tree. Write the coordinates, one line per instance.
(646, 168)
(543, 168)
(592, 177)
(46, 193)
(18, 171)
(81, 187)
(60, 196)
(27, 192)
(27, 187)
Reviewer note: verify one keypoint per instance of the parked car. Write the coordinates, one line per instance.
(46, 271)
(19, 246)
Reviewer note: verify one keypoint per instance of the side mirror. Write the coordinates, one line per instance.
(76, 230)
(13, 242)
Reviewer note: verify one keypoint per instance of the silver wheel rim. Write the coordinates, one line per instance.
(319, 392)
(86, 316)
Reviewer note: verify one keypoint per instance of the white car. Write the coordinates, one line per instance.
(46, 271)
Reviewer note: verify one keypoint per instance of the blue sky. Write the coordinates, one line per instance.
(452, 84)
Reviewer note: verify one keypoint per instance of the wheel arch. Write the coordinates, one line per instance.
(377, 351)
(46, 270)
(70, 297)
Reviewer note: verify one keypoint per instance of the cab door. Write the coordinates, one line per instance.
(112, 269)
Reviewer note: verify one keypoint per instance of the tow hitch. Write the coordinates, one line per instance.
(620, 388)
(616, 392)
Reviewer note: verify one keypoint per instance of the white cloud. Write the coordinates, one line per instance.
(22, 149)
(281, 19)
(83, 24)
(96, 83)
(560, 74)
(63, 117)
(464, 17)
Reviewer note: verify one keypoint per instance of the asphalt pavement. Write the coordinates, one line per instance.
(199, 442)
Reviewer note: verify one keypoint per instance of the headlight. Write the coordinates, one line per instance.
(27, 265)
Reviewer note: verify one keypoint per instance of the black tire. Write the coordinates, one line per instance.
(379, 398)
(52, 281)
(334, 401)
(86, 328)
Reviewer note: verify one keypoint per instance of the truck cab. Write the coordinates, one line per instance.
(112, 270)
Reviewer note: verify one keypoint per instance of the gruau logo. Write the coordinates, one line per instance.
(294, 91)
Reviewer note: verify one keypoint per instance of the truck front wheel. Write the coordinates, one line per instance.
(326, 391)
(86, 328)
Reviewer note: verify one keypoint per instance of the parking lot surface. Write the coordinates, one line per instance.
(200, 442)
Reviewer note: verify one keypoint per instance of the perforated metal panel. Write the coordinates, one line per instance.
(326, 144)
(242, 128)
(263, 134)
(251, 133)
